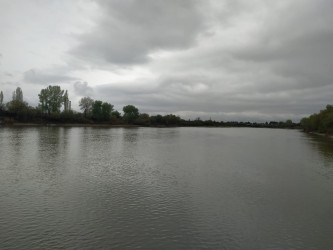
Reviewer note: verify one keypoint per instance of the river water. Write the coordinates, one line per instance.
(165, 188)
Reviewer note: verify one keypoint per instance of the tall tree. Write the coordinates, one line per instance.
(18, 95)
(51, 99)
(1, 99)
(66, 102)
(17, 105)
(86, 104)
(131, 113)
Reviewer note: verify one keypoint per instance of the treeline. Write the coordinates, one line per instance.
(321, 122)
(55, 107)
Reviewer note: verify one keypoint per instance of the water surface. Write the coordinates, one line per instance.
(165, 188)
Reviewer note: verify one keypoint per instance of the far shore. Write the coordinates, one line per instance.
(29, 124)
(106, 125)
(110, 125)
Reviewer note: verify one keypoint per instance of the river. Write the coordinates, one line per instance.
(165, 188)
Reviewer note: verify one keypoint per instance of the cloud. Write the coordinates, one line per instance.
(82, 89)
(297, 46)
(229, 59)
(34, 76)
(128, 32)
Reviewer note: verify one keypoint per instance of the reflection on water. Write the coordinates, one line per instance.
(323, 144)
(170, 188)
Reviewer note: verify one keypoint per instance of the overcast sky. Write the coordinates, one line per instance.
(253, 60)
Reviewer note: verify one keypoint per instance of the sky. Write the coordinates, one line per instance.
(244, 60)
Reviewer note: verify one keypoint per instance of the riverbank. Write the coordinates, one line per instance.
(322, 134)
(66, 125)
(121, 125)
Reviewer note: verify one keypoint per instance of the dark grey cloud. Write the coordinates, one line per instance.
(37, 77)
(296, 43)
(129, 31)
(82, 89)
(281, 68)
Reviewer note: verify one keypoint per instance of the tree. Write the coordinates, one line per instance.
(173, 120)
(321, 122)
(97, 110)
(116, 114)
(101, 111)
(143, 119)
(131, 113)
(66, 102)
(51, 99)
(288, 123)
(17, 106)
(18, 95)
(106, 111)
(1, 100)
(86, 104)
(157, 120)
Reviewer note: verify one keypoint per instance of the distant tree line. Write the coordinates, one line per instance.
(54, 106)
(321, 122)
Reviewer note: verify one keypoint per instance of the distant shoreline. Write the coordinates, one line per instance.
(29, 124)
(106, 125)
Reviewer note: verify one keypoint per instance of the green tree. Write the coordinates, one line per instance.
(174, 120)
(289, 123)
(305, 123)
(116, 114)
(321, 122)
(157, 120)
(51, 99)
(97, 110)
(86, 104)
(106, 111)
(143, 119)
(131, 113)
(16, 106)
(101, 111)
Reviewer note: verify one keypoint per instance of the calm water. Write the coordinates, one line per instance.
(165, 188)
